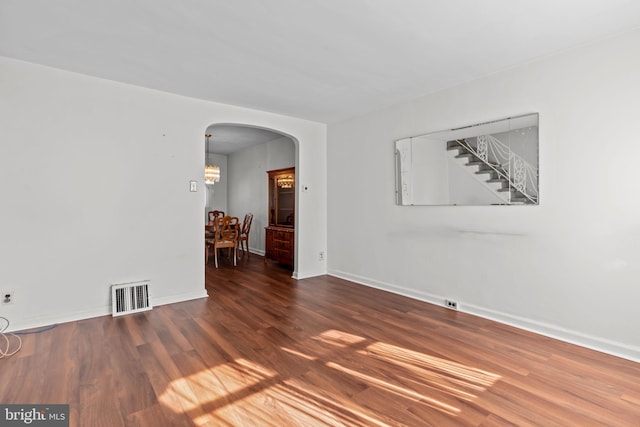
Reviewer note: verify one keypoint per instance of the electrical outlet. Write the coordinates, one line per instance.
(451, 304)
(7, 297)
(321, 255)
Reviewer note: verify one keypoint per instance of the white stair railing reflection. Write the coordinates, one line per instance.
(519, 173)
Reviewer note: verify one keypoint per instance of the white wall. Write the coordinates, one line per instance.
(567, 268)
(248, 183)
(94, 178)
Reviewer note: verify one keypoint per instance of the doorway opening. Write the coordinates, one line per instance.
(244, 154)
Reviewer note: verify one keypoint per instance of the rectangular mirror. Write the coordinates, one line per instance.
(492, 163)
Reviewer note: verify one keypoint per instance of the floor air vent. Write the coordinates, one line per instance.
(129, 298)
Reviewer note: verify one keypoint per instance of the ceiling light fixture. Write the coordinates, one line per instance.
(285, 181)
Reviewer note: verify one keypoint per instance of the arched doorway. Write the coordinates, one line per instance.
(244, 154)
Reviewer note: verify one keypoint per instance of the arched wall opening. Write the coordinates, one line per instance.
(244, 153)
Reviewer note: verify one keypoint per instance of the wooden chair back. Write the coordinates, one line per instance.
(244, 233)
(226, 230)
(213, 215)
(246, 224)
(225, 235)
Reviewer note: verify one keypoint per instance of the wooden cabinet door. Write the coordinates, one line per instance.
(279, 239)
(279, 245)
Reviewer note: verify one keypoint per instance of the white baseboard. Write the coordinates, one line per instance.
(41, 321)
(180, 297)
(553, 331)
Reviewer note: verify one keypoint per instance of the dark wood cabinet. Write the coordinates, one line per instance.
(279, 245)
(279, 239)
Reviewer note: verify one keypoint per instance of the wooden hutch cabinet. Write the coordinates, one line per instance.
(279, 239)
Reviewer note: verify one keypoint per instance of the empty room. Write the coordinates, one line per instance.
(355, 213)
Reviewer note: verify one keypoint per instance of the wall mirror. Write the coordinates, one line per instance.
(492, 163)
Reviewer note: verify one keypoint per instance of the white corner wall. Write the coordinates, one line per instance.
(94, 178)
(568, 268)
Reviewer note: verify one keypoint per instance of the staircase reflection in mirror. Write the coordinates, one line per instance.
(490, 163)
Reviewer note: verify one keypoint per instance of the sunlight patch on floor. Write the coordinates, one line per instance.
(244, 392)
(216, 383)
(296, 396)
(397, 390)
(459, 379)
(297, 353)
(338, 338)
(285, 404)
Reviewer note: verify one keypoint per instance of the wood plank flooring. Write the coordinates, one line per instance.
(268, 350)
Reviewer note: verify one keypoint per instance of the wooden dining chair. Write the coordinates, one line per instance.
(225, 235)
(244, 233)
(208, 240)
(212, 215)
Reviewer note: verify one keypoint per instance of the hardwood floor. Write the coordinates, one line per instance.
(267, 350)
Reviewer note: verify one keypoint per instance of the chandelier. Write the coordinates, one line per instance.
(211, 172)
(285, 181)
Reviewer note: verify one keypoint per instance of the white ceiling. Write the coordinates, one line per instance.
(323, 60)
(226, 139)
